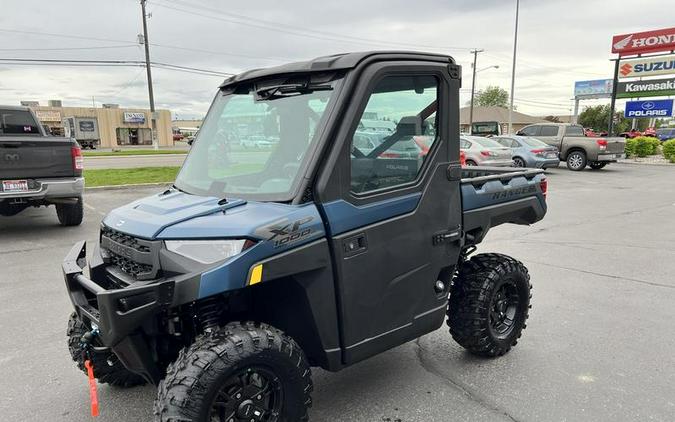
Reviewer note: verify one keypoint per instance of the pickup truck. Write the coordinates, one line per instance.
(38, 170)
(225, 288)
(575, 148)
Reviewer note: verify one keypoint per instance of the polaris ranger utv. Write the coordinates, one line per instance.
(334, 244)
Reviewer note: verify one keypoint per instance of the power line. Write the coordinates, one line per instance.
(112, 63)
(101, 47)
(288, 29)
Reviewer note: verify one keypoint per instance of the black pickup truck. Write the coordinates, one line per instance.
(36, 169)
(320, 251)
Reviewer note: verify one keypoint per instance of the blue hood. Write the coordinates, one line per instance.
(178, 215)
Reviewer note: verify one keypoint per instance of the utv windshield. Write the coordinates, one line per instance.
(257, 140)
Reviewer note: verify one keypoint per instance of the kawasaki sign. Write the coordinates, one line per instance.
(647, 66)
(656, 108)
(648, 88)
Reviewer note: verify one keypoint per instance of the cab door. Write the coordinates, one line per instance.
(393, 212)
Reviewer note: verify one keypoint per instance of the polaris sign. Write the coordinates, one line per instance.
(656, 108)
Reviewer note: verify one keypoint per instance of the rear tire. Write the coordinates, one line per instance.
(115, 374)
(70, 214)
(576, 160)
(489, 304)
(518, 162)
(233, 372)
(596, 165)
(470, 163)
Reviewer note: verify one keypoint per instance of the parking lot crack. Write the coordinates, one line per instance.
(476, 398)
(616, 277)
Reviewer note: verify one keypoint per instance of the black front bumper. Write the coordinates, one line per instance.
(119, 314)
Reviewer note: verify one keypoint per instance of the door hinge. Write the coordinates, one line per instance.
(446, 236)
(454, 172)
(455, 72)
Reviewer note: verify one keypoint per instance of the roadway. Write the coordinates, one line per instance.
(598, 346)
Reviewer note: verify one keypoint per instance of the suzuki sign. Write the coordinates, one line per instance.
(644, 42)
(647, 67)
(656, 108)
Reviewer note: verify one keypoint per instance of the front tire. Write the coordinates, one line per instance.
(470, 163)
(489, 304)
(240, 372)
(115, 374)
(70, 214)
(576, 160)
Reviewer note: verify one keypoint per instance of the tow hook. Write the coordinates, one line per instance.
(86, 342)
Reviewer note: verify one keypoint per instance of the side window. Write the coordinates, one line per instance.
(530, 131)
(395, 133)
(549, 131)
(464, 144)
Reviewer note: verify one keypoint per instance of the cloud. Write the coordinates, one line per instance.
(558, 44)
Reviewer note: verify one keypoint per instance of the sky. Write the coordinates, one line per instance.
(559, 42)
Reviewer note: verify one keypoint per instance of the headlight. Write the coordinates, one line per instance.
(206, 251)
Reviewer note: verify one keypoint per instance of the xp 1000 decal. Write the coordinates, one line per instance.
(285, 231)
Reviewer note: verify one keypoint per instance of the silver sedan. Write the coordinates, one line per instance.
(484, 152)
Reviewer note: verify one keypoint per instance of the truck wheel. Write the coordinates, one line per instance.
(240, 372)
(597, 165)
(489, 304)
(115, 374)
(70, 214)
(576, 160)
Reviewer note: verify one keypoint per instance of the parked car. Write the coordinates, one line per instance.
(530, 152)
(665, 133)
(38, 170)
(591, 132)
(485, 152)
(650, 131)
(575, 148)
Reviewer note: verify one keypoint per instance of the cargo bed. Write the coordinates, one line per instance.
(492, 196)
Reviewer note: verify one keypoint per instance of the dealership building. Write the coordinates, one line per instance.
(117, 126)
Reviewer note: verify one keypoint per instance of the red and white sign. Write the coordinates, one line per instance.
(644, 42)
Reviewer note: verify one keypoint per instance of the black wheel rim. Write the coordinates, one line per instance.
(504, 309)
(518, 162)
(252, 394)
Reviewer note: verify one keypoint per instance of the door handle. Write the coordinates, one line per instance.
(354, 245)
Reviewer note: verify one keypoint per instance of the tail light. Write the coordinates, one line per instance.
(462, 158)
(544, 187)
(538, 151)
(602, 143)
(486, 153)
(78, 159)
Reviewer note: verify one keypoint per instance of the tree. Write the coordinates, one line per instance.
(492, 96)
(597, 118)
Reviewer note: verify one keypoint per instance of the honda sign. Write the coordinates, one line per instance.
(644, 42)
(656, 108)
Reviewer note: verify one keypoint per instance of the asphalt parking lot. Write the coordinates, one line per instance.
(598, 346)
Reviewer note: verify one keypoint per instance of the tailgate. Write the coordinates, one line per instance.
(615, 145)
(25, 158)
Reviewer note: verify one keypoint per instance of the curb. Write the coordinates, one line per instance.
(98, 157)
(642, 163)
(129, 186)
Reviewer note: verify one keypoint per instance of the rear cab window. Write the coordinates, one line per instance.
(18, 122)
(574, 131)
(549, 130)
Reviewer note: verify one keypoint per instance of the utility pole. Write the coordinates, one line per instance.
(615, 82)
(473, 86)
(151, 95)
(513, 69)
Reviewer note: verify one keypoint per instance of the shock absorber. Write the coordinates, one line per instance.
(209, 313)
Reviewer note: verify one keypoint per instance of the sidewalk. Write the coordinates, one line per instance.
(655, 160)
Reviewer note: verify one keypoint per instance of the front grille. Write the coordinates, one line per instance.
(138, 258)
(124, 239)
(135, 269)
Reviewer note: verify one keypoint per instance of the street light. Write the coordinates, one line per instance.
(473, 84)
(513, 68)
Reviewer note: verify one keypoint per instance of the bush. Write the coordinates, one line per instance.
(669, 150)
(646, 145)
(630, 147)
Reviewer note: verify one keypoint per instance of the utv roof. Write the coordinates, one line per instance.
(334, 62)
